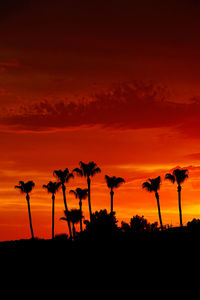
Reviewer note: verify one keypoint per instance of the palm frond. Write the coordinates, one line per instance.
(181, 175)
(170, 177)
(63, 176)
(80, 193)
(19, 187)
(52, 187)
(152, 185)
(119, 181)
(25, 187)
(95, 171)
(89, 169)
(114, 182)
(68, 177)
(63, 218)
(74, 193)
(147, 186)
(78, 171)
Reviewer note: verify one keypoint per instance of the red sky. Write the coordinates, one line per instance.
(116, 82)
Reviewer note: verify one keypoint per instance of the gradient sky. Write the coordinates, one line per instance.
(116, 82)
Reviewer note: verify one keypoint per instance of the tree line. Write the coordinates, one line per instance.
(88, 170)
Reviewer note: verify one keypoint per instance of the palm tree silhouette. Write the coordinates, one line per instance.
(88, 171)
(113, 182)
(64, 177)
(26, 188)
(74, 216)
(153, 185)
(52, 187)
(80, 194)
(178, 176)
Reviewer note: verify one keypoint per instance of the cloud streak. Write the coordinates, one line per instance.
(131, 105)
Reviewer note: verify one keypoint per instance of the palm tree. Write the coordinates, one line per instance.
(74, 216)
(80, 194)
(113, 182)
(26, 188)
(153, 185)
(88, 171)
(52, 187)
(64, 177)
(178, 176)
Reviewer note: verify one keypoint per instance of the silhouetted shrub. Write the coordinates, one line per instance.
(101, 223)
(139, 224)
(194, 225)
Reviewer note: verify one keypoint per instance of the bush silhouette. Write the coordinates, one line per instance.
(102, 223)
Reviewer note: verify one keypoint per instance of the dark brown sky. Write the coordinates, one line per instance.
(55, 48)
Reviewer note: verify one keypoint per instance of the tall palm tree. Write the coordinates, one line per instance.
(26, 188)
(74, 216)
(113, 182)
(52, 187)
(64, 177)
(153, 185)
(88, 171)
(80, 194)
(178, 176)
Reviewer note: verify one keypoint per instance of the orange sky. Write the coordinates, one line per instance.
(116, 83)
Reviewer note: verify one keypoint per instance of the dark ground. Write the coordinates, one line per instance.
(129, 262)
(170, 244)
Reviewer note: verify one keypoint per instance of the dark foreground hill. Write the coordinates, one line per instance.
(170, 244)
(140, 263)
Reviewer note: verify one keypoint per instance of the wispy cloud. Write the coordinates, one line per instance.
(136, 105)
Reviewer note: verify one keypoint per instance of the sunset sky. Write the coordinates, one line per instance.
(111, 81)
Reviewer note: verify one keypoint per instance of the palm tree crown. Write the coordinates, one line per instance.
(178, 175)
(80, 193)
(114, 182)
(25, 187)
(52, 187)
(63, 176)
(87, 170)
(152, 185)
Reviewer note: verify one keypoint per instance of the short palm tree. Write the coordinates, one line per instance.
(153, 185)
(64, 177)
(80, 194)
(52, 188)
(178, 176)
(74, 216)
(113, 182)
(88, 171)
(26, 188)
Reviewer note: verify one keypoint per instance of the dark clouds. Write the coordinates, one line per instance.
(131, 105)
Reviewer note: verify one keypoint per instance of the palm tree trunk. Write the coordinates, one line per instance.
(179, 204)
(111, 198)
(66, 208)
(29, 214)
(89, 199)
(53, 204)
(81, 226)
(74, 231)
(159, 212)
